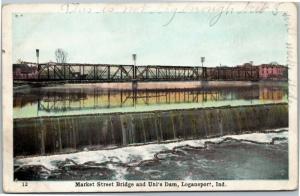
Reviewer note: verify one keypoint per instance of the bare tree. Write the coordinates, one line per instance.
(61, 55)
(20, 61)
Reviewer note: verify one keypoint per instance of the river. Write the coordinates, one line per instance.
(90, 99)
(85, 132)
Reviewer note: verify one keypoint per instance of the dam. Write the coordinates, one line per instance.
(66, 134)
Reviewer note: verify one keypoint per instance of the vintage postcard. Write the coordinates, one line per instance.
(150, 97)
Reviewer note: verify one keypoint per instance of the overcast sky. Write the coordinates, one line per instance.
(112, 38)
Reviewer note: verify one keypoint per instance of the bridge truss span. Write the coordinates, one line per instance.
(73, 72)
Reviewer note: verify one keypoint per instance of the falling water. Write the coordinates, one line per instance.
(52, 135)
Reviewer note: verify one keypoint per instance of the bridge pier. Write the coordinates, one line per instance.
(134, 91)
(134, 84)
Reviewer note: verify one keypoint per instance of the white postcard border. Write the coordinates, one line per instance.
(222, 8)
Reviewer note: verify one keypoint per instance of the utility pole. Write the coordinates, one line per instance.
(134, 66)
(219, 71)
(134, 81)
(202, 61)
(203, 70)
(37, 52)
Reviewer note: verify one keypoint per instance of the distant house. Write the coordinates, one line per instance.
(24, 71)
(21, 68)
(273, 72)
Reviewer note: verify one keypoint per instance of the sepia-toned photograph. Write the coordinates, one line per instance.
(150, 97)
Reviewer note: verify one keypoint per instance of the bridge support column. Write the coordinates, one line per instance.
(134, 91)
(134, 85)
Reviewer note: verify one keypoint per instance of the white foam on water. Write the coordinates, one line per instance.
(260, 137)
(132, 155)
(121, 171)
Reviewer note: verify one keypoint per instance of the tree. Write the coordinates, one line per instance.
(61, 55)
(20, 61)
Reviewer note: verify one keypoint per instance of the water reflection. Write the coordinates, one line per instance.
(63, 101)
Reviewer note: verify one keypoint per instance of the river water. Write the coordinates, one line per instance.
(246, 156)
(85, 99)
(262, 154)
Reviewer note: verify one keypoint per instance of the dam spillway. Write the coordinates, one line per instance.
(66, 134)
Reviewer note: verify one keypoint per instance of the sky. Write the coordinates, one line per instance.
(156, 38)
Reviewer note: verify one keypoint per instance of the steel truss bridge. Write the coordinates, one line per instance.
(73, 72)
